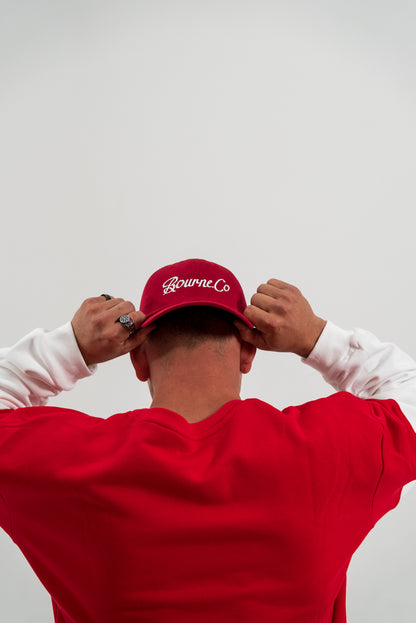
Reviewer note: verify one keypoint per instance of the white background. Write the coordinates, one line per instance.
(276, 138)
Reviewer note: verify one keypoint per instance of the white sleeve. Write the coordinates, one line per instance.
(39, 366)
(357, 362)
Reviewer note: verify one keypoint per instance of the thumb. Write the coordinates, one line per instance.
(252, 336)
(138, 337)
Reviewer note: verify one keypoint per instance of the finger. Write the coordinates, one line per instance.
(251, 336)
(137, 338)
(138, 317)
(114, 302)
(94, 300)
(262, 320)
(272, 291)
(122, 308)
(246, 334)
(99, 304)
(263, 301)
(282, 285)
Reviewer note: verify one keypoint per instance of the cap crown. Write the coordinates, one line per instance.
(192, 282)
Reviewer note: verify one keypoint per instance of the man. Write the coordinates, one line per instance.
(203, 507)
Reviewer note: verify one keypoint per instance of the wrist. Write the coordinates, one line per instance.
(313, 335)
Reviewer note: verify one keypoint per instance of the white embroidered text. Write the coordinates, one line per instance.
(174, 283)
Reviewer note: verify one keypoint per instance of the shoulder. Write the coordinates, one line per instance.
(45, 416)
(343, 404)
(335, 403)
(341, 411)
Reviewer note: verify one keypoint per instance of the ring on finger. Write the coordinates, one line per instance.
(127, 322)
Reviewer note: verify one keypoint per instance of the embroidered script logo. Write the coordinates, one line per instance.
(174, 283)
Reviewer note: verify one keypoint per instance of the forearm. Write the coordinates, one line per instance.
(357, 362)
(39, 366)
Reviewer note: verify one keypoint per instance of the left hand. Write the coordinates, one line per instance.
(283, 318)
(99, 336)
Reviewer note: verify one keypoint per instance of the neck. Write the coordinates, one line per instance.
(195, 383)
(201, 407)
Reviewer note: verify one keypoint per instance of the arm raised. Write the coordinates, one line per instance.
(355, 361)
(44, 363)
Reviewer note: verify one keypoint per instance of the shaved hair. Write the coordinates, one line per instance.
(189, 327)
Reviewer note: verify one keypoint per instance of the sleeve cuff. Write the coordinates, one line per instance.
(332, 349)
(62, 355)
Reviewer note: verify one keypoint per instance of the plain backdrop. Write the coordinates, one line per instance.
(276, 138)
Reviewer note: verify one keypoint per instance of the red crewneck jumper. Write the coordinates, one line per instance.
(249, 516)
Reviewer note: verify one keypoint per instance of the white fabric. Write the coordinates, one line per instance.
(357, 362)
(39, 366)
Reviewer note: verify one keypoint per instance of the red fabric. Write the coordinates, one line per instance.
(250, 515)
(192, 282)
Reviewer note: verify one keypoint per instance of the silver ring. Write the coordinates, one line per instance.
(106, 296)
(127, 323)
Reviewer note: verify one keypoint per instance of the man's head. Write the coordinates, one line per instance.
(193, 305)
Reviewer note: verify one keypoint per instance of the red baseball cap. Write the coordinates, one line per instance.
(192, 282)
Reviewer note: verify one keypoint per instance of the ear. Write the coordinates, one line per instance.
(139, 360)
(247, 354)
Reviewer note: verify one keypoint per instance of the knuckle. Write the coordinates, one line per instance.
(281, 308)
(271, 322)
(262, 287)
(87, 302)
(116, 302)
(256, 299)
(91, 306)
(293, 289)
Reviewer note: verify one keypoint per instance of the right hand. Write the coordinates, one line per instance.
(100, 336)
(283, 318)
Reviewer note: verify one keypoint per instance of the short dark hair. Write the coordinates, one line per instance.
(190, 326)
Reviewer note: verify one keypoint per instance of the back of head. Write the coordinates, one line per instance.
(190, 327)
(194, 357)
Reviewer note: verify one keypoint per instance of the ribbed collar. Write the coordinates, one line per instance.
(176, 422)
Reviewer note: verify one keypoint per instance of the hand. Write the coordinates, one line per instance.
(283, 318)
(99, 336)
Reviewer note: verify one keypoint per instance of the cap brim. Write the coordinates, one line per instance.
(166, 310)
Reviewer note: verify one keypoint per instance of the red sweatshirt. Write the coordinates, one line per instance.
(249, 516)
